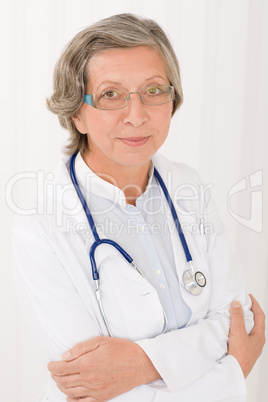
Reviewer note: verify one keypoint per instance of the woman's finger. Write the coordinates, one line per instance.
(237, 319)
(77, 392)
(67, 381)
(82, 348)
(61, 368)
(259, 318)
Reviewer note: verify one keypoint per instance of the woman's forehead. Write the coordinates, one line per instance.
(126, 65)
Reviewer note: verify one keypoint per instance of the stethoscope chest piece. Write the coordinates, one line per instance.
(194, 282)
(200, 279)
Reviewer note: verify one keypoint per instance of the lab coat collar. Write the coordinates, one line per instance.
(93, 183)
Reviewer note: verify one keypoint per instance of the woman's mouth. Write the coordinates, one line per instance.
(134, 142)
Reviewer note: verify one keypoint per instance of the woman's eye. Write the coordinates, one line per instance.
(153, 90)
(109, 94)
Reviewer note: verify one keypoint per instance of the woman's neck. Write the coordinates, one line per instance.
(132, 180)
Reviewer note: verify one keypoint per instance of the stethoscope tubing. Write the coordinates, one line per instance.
(174, 215)
(92, 225)
(82, 199)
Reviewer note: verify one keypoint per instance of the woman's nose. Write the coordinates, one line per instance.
(135, 112)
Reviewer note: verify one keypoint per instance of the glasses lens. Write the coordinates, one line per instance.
(156, 94)
(111, 99)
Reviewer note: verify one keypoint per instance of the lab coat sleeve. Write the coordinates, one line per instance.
(42, 283)
(184, 356)
(223, 383)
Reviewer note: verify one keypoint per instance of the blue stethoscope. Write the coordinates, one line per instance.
(193, 281)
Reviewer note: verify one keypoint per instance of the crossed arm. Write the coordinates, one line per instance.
(103, 368)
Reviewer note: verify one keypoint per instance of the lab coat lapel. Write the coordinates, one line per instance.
(66, 211)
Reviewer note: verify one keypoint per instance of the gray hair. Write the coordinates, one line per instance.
(71, 76)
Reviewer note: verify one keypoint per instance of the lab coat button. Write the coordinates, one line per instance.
(158, 272)
(143, 228)
(162, 286)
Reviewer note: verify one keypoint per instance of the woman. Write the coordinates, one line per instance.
(156, 330)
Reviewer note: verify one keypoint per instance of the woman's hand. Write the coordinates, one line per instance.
(101, 369)
(246, 348)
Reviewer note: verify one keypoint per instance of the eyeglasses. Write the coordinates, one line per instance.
(112, 99)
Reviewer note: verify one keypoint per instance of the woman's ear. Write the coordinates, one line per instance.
(78, 122)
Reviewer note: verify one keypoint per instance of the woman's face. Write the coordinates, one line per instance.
(131, 135)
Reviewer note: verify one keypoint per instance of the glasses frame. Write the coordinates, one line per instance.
(90, 99)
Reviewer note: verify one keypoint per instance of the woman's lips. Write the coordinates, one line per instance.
(134, 142)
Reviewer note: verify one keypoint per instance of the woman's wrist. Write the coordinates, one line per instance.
(147, 371)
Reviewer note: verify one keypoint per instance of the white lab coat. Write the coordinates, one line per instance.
(57, 293)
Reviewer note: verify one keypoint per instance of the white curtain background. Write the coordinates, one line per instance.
(221, 130)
